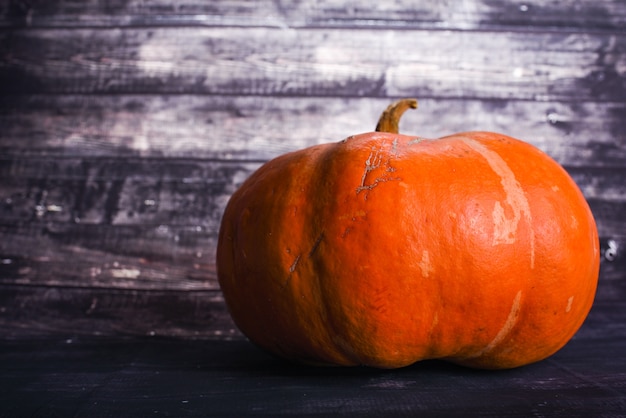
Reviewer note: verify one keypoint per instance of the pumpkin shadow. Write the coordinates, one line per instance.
(268, 363)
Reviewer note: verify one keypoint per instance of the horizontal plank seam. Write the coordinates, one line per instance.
(129, 159)
(92, 287)
(51, 156)
(390, 97)
(525, 29)
(560, 100)
(12, 95)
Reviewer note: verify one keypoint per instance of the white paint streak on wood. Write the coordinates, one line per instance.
(505, 227)
(125, 273)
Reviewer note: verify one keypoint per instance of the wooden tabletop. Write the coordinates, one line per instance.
(156, 376)
(125, 126)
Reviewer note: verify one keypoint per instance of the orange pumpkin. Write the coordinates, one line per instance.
(385, 249)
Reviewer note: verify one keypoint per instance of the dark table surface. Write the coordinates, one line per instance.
(117, 377)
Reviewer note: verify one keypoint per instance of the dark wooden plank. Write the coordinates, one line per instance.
(44, 311)
(266, 61)
(138, 258)
(170, 192)
(483, 14)
(260, 128)
(121, 191)
(118, 377)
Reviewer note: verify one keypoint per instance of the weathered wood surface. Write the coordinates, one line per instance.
(313, 62)
(105, 377)
(126, 125)
(584, 15)
(257, 128)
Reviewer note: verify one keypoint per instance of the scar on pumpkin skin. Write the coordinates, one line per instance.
(394, 148)
(316, 244)
(506, 328)
(425, 265)
(416, 140)
(505, 227)
(374, 161)
(293, 266)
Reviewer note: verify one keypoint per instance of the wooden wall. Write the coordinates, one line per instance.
(125, 125)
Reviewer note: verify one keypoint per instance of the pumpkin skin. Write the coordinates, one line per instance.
(386, 249)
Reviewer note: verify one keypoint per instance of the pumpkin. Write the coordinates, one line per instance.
(385, 249)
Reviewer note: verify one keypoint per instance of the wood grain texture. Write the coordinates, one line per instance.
(99, 312)
(429, 14)
(126, 125)
(152, 376)
(310, 62)
(259, 128)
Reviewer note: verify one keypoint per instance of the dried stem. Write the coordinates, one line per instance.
(390, 119)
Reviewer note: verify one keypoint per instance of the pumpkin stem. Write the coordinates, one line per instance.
(390, 119)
